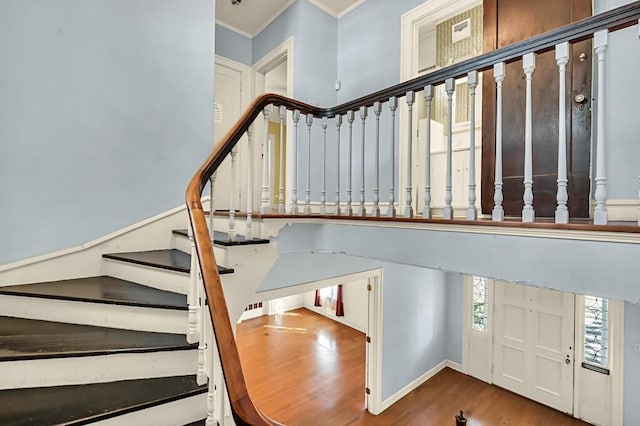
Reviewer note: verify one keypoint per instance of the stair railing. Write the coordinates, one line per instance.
(383, 105)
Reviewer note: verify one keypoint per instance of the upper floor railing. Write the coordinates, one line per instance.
(365, 115)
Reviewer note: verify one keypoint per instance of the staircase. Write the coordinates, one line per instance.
(110, 349)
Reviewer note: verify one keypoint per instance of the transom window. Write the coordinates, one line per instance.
(480, 304)
(596, 331)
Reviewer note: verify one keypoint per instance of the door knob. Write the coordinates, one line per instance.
(567, 361)
(580, 98)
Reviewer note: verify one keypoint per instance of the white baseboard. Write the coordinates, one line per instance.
(414, 385)
(323, 312)
(85, 260)
(456, 366)
(622, 209)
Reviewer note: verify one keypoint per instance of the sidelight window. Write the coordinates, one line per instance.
(480, 304)
(596, 331)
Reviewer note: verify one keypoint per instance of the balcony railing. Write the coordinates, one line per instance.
(347, 127)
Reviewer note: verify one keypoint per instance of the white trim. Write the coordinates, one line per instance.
(351, 8)
(455, 366)
(621, 209)
(272, 18)
(321, 310)
(324, 8)
(617, 360)
(413, 385)
(374, 349)
(234, 29)
(466, 322)
(245, 72)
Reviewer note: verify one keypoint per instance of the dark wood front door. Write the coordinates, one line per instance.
(507, 22)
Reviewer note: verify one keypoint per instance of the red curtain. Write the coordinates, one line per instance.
(316, 302)
(339, 304)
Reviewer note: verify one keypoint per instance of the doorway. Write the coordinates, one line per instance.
(430, 42)
(560, 349)
(274, 74)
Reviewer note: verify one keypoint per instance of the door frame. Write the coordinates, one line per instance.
(616, 338)
(432, 11)
(281, 53)
(467, 330)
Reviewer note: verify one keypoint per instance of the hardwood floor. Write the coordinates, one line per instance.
(304, 369)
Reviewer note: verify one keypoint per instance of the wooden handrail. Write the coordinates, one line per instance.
(243, 408)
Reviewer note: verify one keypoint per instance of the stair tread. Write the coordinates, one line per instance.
(170, 259)
(79, 404)
(22, 339)
(222, 238)
(102, 289)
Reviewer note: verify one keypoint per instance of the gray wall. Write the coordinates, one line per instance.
(234, 46)
(631, 364)
(105, 114)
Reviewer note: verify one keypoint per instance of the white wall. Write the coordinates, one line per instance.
(356, 303)
(105, 114)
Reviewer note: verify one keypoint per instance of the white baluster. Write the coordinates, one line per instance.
(294, 192)
(600, 216)
(192, 296)
(211, 407)
(283, 116)
(212, 205)
(201, 374)
(528, 214)
(323, 190)
(249, 221)
(472, 79)
(307, 204)
(498, 212)
(338, 124)
(350, 118)
(426, 210)
(232, 196)
(363, 117)
(408, 209)
(377, 109)
(562, 58)
(449, 87)
(265, 204)
(393, 106)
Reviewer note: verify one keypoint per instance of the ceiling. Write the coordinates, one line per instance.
(252, 16)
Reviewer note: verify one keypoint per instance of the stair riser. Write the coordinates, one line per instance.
(181, 243)
(98, 314)
(223, 253)
(162, 279)
(96, 369)
(180, 412)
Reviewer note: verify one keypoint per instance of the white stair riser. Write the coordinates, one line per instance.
(97, 314)
(180, 412)
(96, 369)
(182, 243)
(163, 279)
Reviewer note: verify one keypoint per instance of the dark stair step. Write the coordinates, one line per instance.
(171, 259)
(22, 339)
(102, 289)
(222, 238)
(82, 404)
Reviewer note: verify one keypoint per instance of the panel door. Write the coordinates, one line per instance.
(507, 22)
(533, 344)
(227, 109)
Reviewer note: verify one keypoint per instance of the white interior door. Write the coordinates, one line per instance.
(533, 344)
(227, 109)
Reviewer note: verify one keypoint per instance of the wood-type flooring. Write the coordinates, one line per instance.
(305, 369)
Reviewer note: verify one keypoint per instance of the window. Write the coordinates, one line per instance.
(480, 304)
(328, 296)
(596, 331)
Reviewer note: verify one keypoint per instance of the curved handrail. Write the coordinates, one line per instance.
(243, 408)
